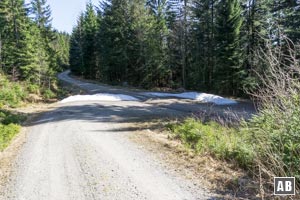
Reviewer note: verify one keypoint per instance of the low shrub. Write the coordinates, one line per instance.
(7, 132)
(277, 135)
(270, 141)
(11, 94)
(9, 118)
(48, 94)
(9, 127)
(33, 88)
(216, 140)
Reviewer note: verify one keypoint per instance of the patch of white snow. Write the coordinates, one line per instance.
(204, 97)
(99, 97)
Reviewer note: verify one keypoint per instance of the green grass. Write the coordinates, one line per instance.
(217, 140)
(269, 143)
(14, 94)
(7, 133)
(9, 127)
(11, 94)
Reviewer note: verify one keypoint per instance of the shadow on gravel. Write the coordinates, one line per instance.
(129, 112)
(112, 113)
(116, 112)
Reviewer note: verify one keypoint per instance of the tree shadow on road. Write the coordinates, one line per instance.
(121, 113)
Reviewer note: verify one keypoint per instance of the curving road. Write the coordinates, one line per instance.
(81, 151)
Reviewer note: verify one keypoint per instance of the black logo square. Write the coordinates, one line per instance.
(284, 185)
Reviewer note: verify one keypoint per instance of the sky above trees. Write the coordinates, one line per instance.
(65, 13)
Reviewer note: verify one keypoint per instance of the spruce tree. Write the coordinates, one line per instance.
(76, 48)
(33, 56)
(61, 46)
(157, 65)
(89, 26)
(204, 44)
(114, 33)
(288, 16)
(41, 13)
(229, 71)
(257, 15)
(14, 26)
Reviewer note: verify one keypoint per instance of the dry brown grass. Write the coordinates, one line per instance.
(225, 178)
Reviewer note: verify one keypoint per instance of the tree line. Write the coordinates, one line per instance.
(30, 49)
(207, 45)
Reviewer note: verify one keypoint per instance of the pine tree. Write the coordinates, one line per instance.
(198, 44)
(287, 13)
(76, 48)
(140, 22)
(61, 45)
(229, 72)
(89, 26)
(114, 33)
(257, 15)
(25, 49)
(157, 65)
(41, 13)
(33, 56)
(14, 24)
(204, 47)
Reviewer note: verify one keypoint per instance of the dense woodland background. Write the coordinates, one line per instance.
(30, 49)
(206, 45)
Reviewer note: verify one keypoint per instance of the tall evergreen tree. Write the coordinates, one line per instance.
(257, 15)
(61, 46)
(229, 72)
(159, 71)
(14, 26)
(204, 44)
(287, 13)
(114, 32)
(41, 13)
(33, 56)
(89, 26)
(76, 48)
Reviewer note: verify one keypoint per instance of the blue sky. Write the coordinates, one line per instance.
(66, 12)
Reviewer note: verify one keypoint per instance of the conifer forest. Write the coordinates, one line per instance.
(205, 45)
(30, 49)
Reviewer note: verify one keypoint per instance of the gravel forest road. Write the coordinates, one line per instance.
(81, 150)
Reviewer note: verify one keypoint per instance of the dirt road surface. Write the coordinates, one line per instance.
(81, 150)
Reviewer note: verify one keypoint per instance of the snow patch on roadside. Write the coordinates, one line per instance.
(99, 97)
(203, 97)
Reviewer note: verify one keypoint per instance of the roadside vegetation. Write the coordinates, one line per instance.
(219, 141)
(31, 54)
(14, 95)
(11, 94)
(9, 127)
(268, 145)
(18, 94)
